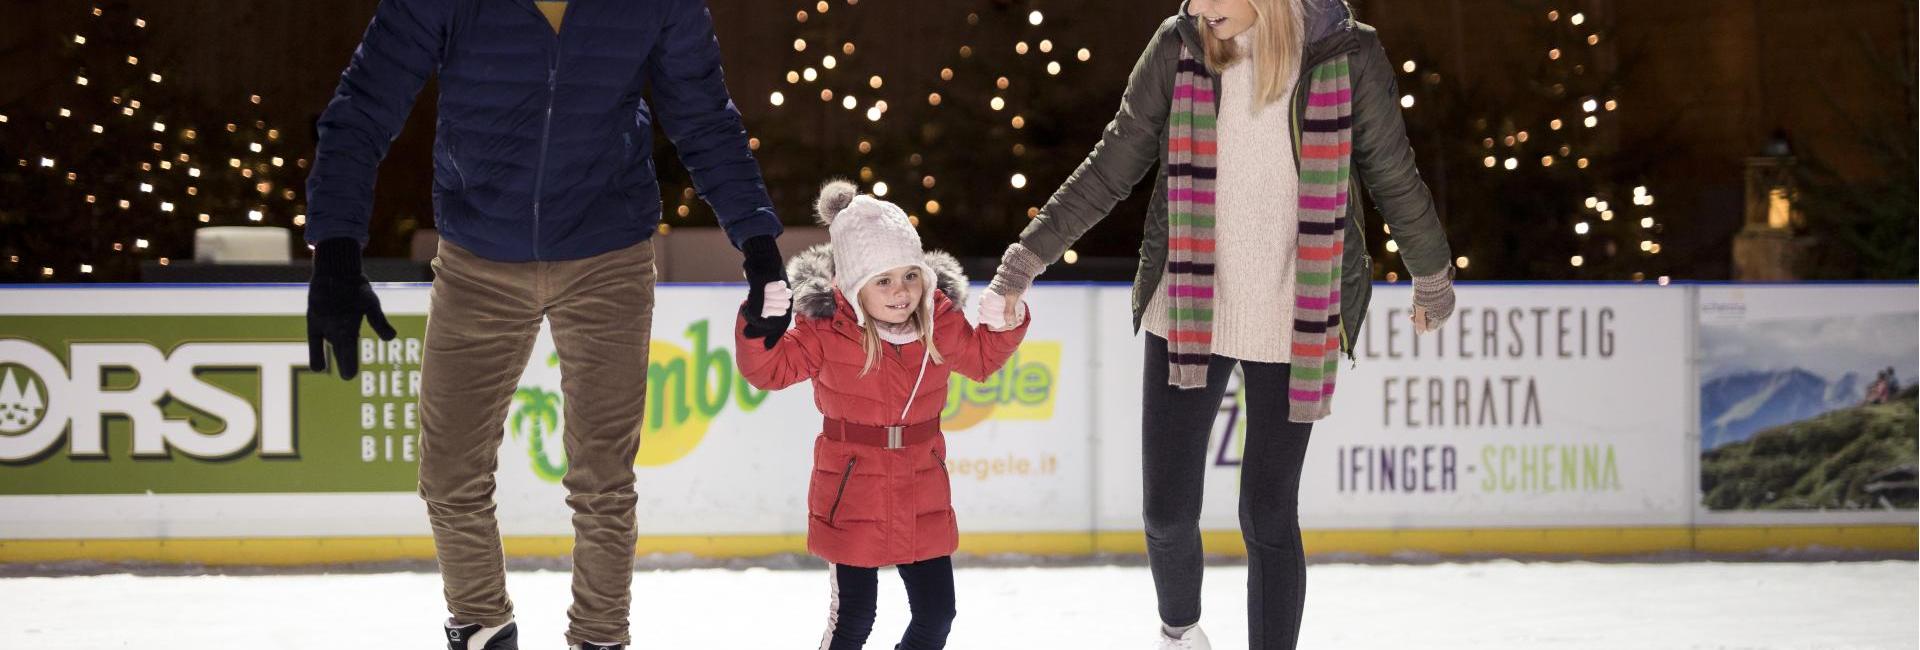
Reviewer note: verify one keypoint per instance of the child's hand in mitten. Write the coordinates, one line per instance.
(776, 305)
(993, 312)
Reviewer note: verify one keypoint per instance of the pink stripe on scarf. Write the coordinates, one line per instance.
(1323, 202)
(1196, 196)
(1335, 98)
(1189, 291)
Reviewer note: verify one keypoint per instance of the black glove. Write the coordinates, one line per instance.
(338, 296)
(763, 266)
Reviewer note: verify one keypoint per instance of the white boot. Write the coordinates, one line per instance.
(1193, 639)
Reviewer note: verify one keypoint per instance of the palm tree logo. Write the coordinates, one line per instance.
(538, 414)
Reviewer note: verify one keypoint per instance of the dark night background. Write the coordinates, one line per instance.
(1700, 86)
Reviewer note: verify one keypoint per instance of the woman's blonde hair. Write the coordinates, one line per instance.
(922, 320)
(1279, 43)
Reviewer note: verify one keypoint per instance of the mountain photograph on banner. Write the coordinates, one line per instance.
(1809, 413)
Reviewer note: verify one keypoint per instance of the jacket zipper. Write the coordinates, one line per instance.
(546, 132)
(841, 492)
(453, 156)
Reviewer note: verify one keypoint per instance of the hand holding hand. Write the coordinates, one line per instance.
(1001, 313)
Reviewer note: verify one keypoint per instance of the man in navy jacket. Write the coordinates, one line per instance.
(546, 201)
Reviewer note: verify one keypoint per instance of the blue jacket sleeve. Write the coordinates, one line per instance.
(690, 97)
(400, 49)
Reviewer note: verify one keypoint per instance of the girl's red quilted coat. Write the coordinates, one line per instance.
(867, 505)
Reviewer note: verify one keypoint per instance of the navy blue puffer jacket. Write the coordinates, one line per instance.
(543, 150)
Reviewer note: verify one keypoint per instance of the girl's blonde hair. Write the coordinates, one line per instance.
(922, 320)
(1279, 43)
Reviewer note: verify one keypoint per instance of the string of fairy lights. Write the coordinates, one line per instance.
(1572, 138)
(837, 78)
(235, 174)
(1521, 143)
(186, 163)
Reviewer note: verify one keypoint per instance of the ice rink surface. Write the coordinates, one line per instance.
(1471, 606)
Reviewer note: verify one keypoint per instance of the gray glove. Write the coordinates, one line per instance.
(1017, 269)
(1434, 294)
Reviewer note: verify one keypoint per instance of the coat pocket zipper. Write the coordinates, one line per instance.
(841, 492)
(453, 157)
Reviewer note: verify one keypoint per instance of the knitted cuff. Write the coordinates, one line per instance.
(1017, 270)
(1434, 293)
(338, 257)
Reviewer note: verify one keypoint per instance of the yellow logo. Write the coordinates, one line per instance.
(686, 389)
(1021, 390)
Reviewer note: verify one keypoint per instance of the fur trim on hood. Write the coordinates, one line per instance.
(811, 274)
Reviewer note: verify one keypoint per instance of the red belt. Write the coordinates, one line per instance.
(890, 437)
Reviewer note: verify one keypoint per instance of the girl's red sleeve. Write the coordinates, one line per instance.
(975, 351)
(793, 360)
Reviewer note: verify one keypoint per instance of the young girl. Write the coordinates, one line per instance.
(879, 328)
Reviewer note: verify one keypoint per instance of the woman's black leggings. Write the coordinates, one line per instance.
(929, 596)
(1175, 430)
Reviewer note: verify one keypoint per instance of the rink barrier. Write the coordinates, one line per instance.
(1319, 544)
(327, 505)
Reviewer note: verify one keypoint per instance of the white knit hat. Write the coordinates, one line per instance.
(869, 237)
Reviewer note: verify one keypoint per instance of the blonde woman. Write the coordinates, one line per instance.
(1264, 117)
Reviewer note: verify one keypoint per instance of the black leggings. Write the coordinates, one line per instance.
(1176, 428)
(929, 596)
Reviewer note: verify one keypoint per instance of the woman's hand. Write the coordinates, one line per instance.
(1018, 266)
(1432, 301)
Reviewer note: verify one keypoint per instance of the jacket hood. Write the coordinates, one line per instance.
(811, 274)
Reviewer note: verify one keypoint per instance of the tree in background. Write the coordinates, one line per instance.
(1530, 168)
(970, 147)
(1866, 228)
(114, 165)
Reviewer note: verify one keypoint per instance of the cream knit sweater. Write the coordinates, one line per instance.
(1255, 225)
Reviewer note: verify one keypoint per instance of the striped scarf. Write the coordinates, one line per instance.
(1326, 148)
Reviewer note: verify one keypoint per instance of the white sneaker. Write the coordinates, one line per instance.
(1194, 639)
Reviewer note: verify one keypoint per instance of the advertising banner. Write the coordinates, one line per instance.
(1533, 406)
(154, 413)
(156, 418)
(1807, 409)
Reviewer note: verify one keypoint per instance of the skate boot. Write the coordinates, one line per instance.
(1193, 639)
(477, 637)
